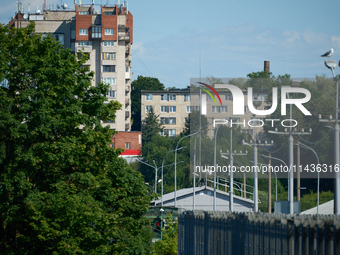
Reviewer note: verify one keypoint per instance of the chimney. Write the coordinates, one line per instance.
(266, 66)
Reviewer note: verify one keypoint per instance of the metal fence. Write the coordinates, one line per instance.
(227, 233)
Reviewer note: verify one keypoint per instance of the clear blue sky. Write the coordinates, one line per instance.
(229, 38)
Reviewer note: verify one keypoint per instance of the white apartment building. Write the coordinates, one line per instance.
(173, 107)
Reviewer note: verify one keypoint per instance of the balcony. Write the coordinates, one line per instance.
(123, 38)
(96, 32)
(123, 27)
(127, 114)
(127, 88)
(127, 127)
(127, 102)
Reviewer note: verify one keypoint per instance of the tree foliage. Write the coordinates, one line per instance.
(63, 190)
(168, 244)
(142, 83)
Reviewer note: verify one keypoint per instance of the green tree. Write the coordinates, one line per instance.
(63, 190)
(310, 200)
(150, 127)
(142, 83)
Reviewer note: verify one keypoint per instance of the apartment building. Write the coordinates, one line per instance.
(174, 106)
(104, 33)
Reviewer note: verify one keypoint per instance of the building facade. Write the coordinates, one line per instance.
(174, 106)
(104, 33)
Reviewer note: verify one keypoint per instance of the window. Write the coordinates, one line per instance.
(111, 94)
(59, 37)
(128, 146)
(172, 109)
(148, 97)
(127, 69)
(228, 97)
(172, 97)
(109, 31)
(73, 46)
(215, 109)
(172, 132)
(109, 13)
(111, 145)
(187, 98)
(210, 98)
(109, 43)
(148, 108)
(169, 132)
(164, 108)
(172, 120)
(109, 55)
(84, 43)
(83, 31)
(164, 97)
(189, 109)
(110, 81)
(164, 120)
(218, 109)
(73, 34)
(83, 54)
(109, 68)
(223, 109)
(84, 13)
(96, 32)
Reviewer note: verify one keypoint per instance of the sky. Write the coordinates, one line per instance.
(176, 41)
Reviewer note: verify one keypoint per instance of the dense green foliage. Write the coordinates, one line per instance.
(63, 190)
(168, 244)
(142, 83)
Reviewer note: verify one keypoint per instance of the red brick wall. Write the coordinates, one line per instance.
(83, 21)
(134, 138)
(129, 23)
(109, 22)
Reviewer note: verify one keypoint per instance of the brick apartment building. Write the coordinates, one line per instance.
(103, 32)
(131, 142)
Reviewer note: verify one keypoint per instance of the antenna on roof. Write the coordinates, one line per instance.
(38, 11)
(44, 6)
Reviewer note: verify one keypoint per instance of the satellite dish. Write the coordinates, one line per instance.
(64, 6)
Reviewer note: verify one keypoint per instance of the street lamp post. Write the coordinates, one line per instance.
(318, 185)
(165, 166)
(197, 132)
(331, 64)
(255, 145)
(216, 130)
(274, 171)
(154, 167)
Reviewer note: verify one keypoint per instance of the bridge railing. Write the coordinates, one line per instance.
(225, 233)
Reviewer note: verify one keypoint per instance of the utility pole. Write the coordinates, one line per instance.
(269, 185)
(231, 182)
(256, 144)
(290, 134)
(298, 172)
